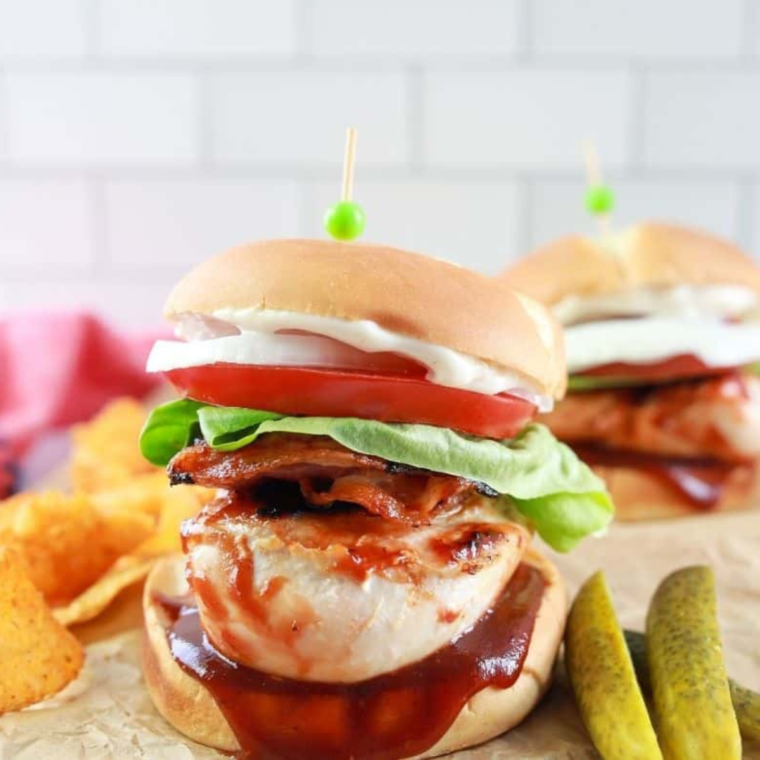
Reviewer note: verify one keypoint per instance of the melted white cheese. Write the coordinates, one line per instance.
(255, 336)
(726, 301)
(652, 339)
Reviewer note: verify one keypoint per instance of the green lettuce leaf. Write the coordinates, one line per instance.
(168, 429)
(564, 519)
(231, 428)
(585, 383)
(560, 495)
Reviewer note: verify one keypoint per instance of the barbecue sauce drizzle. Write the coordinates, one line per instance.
(390, 716)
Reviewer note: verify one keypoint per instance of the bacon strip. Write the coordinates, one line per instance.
(395, 497)
(326, 473)
(276, 455)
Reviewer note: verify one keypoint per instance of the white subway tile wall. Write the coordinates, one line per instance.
(167, 224)
(522, 119)
(138, 137)
(645, 29)
(102, 118)
(46, 225)
(42, 30)
(196, 29)
(702, 119)
(415, 30)
(297, 118)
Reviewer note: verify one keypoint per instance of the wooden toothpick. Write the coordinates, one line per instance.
(348, 165)
(591, 159)
(600, 199)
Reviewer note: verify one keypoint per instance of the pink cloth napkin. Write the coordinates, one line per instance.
(58, 368)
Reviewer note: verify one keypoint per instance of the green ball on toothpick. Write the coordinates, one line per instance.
(599, 199)
(345, 220)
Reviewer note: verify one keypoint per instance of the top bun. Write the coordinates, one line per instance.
(646, 255)
(404, 292)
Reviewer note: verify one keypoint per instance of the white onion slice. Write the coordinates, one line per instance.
(643, 341)
(267, 349)
(315, 351)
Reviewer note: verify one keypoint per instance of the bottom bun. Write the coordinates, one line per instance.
(640, 495)
(190, 708)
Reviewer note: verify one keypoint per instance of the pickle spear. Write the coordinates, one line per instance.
(745, 701)
(692, 701)
(602, 677)
(747, 708)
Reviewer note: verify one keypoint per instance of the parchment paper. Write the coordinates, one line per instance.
(108, 714)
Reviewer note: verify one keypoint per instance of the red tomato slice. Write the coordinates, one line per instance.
(674, 368)
(330, 393)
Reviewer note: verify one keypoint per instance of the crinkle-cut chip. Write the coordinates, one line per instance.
(178, 505)
(66, 543)
(38, 656)
(106, 451)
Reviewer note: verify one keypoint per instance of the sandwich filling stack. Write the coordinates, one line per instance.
(365, 583)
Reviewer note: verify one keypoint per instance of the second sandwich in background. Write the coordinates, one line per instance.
(662, 328)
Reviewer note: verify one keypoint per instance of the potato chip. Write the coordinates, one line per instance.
(38, 656)
(177, 506)
(94, 600)
(82, 550)
(66, 543)
(106, 452)
(124, 613)
(143, 493)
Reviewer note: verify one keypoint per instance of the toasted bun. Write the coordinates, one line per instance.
(646, 255)
(407, 293)
(639, 495)
(191, 709)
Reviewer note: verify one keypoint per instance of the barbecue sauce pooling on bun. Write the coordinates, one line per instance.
(398, 714)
